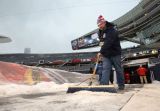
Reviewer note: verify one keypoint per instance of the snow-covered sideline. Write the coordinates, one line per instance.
(147, 99)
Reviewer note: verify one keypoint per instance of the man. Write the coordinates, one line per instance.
(142, 71)
(111, 52)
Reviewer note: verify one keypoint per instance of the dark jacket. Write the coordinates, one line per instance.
(111, 40)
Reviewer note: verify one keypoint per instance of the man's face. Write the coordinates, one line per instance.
(102, 25)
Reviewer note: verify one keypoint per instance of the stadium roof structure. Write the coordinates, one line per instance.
(140, 25)
(4, 39)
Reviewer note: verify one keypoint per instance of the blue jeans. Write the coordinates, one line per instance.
(108, 62)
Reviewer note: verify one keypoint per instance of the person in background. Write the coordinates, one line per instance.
(142, 72)
(99, 72)
(91, 70)
(127, 77)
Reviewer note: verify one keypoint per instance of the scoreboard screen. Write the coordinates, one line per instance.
(84, 42)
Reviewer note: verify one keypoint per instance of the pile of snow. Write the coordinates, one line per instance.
(60, 82)
(43, 87)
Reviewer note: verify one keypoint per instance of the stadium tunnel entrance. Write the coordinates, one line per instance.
(131, 68)
(133, 75)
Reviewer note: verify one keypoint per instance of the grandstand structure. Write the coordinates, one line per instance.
(62, 59)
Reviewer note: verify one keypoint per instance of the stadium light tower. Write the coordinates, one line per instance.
(27, 50)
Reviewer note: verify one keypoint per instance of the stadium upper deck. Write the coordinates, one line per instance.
(140, 25)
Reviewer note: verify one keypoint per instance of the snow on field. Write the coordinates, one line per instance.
(53, 97)
(48, 96)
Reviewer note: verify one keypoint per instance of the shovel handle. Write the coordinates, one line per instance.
(97, 61)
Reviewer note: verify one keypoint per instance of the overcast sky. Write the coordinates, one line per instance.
(48, 26)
